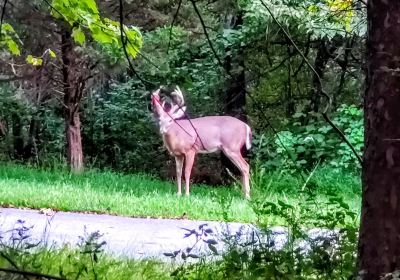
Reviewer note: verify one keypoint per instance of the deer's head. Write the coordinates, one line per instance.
(166, 109)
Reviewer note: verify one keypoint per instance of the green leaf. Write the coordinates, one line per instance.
(52, 54)
(213, 249)
(8, 27)
(35, 61)
(78, 36)
(29, 59)
(13, 47)
(91, 5)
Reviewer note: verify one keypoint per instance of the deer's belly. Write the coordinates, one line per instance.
(213, 150)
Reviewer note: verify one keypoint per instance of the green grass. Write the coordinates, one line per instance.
(73, 264)
(145, 196)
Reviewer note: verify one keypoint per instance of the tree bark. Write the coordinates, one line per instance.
(235, 95)
(73, 91)
(30, 148)
(74, 140)
(320, 62)
(288, 97)
(18, 138)
(379, 240)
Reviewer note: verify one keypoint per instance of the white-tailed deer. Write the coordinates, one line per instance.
(184, 138)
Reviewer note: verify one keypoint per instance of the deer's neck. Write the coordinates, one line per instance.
(165, 123)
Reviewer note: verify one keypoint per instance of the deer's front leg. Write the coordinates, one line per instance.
(189, 159)
(179, 165)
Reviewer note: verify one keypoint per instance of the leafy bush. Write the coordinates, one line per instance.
(118, 130)
(30, 131)
(303, 146)
(318, 241)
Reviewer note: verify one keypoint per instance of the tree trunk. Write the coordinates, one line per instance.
(379, 240)
(30, 148)
(235, 95)
(73, 91)
(18, 139)
(320, 62)
(74, 140)
(288, 97)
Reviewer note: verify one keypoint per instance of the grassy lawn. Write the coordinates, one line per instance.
(145, 196)
(73, 264)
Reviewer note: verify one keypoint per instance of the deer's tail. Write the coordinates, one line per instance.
(249, 137)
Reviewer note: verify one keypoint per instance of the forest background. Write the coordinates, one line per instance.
(230, 57)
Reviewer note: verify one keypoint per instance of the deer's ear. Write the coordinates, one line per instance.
(156, 93)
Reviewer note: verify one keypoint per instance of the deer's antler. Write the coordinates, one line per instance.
(178, 96)
(178, 109)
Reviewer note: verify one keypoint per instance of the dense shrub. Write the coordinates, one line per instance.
(302, 146)
(118, 129)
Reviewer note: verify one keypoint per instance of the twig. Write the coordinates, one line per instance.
(123, 40)
(13, 264)
(322, 91)
(4, 256)
(305, 54)
(10, 79)
(3, 11)
(206, 33)
(29, 273)
(172, 24)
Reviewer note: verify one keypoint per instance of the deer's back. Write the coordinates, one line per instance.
(208, 134)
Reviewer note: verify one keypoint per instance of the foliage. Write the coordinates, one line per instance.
(17, 115)
(293, 252)
(83, 15)
(318, 18)
(119, 131)
(187, 63)
(8, 39)
(303, 146)
(181, 55)
(86, 261)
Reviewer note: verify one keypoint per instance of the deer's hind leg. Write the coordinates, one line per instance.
(239, 161)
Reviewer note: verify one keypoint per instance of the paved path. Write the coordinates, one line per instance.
(131, 237)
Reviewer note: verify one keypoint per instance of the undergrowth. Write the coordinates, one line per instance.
(23, 258)
(141, 195)
(318, 213)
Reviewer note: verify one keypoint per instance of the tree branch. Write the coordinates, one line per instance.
(29, 273)
(305, 54)
(16, 78)
(322, 91)
(206, 33)
(3, 11)
(172, 24)
(123, 40)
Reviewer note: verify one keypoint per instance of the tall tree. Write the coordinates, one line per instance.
(70, 22)
(379, 243)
